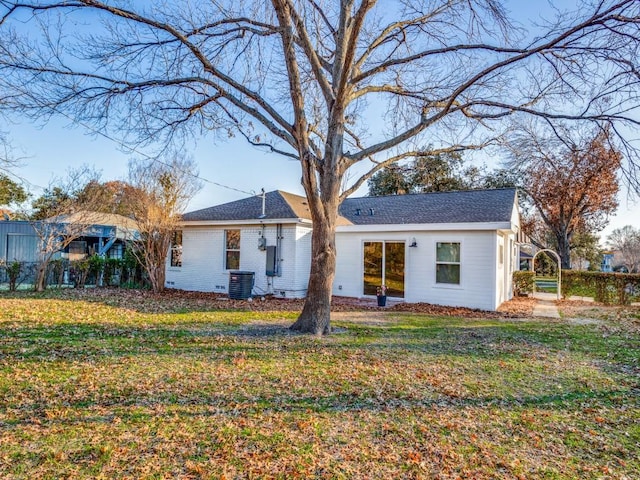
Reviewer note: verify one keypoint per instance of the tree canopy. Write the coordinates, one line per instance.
(344, 88)
(113, 196)
(443, 172)
(11, 192)
(51, 202)
(573, 185)
(429, 173)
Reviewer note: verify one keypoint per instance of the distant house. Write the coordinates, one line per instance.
(103, 234)
(526, 261)
(607, 262)
(453, 248)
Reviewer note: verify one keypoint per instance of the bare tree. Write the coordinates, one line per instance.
(161, 192)
(307, 79)
(68, 220)
(625, 242)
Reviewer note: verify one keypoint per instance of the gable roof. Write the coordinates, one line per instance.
(471, 206)
(278, 205)
(443, 207)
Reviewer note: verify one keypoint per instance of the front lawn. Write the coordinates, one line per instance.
(113, 389)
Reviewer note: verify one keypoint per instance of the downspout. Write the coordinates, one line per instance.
(278, 249)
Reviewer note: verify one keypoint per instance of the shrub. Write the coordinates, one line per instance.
(58, 267)
(96, 266)
(87, 266)
(522, 282)
(133, 272)
(112, 268)
(13, 270)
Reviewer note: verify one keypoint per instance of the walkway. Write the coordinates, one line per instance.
(545, 306)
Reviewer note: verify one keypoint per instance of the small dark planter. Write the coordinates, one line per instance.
(382, 300)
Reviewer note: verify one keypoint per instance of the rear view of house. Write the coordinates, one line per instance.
(453, 248)
(450, 248)
(269, 237)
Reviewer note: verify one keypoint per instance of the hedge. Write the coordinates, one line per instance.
(607, 288)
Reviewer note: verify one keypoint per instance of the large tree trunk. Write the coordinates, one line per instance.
(564, 250)
(317, 306)
(157, 268)
(323, 205)
(157, 276)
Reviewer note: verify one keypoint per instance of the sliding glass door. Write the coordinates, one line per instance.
(394, 268)
(384, 265)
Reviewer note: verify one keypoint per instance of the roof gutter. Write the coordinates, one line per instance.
(247, 221)
(432, 227)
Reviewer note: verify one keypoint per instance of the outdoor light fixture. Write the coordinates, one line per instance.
(414, 243)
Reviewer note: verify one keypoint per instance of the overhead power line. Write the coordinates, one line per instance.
(147, 156)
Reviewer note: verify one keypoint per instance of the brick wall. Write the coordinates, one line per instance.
(203, 256)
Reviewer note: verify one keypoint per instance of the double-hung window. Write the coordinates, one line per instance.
(176, 248)
(232, 249)
(448, 263)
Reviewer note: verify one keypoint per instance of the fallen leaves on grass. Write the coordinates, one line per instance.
(626, 317)
(172, 300)
(104, 387)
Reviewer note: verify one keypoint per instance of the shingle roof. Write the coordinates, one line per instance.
(446, 207)
(442, 207)
(278, 205)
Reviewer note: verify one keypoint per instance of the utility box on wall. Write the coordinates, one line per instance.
(272, 262)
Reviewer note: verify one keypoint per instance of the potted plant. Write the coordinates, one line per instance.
(381, 293)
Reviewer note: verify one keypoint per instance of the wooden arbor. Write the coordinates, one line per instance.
(545, 282)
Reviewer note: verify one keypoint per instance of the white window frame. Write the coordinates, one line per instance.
(176, 249)
(458, 263)
(226, 249)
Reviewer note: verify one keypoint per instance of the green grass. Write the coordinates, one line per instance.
(172, 389)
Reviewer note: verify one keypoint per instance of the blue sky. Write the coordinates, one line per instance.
(49, 150)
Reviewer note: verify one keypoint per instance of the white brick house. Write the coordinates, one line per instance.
(236, 237)
(453, 248)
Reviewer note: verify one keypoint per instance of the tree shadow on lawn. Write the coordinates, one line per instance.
(420, 347)
(137, 409)
(460, 337)
(74, 341)
(393, 346)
